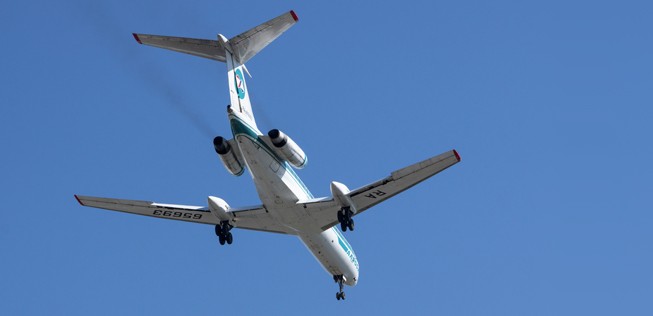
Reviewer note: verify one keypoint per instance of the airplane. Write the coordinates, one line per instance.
(287, 207)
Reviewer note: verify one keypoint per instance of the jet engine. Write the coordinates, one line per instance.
(228, 156)
(288, 149)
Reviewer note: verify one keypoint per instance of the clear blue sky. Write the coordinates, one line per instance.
(550, 105)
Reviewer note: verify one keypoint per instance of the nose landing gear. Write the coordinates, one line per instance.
(340, 279)
(222, 230)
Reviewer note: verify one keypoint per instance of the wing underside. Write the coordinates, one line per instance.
(252, 218)
(325, 210)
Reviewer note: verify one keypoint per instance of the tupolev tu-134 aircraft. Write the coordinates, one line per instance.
(288, 207)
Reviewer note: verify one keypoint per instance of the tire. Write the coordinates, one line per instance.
(230, 238)
(351, 225)
(343, 226)
(340, 216)
(342, 295)
(221, 238)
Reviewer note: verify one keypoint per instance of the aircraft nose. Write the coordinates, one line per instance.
(353, 279)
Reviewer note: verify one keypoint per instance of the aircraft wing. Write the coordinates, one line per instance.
(253, 218)
(325, 210)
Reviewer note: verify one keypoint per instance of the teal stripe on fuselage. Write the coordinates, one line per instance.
(344, 244)
(341, 237)
(239, 127)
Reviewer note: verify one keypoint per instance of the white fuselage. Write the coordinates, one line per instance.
(279, 188)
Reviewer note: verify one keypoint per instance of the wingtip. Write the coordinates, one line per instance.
(457, 155)
(136, 38)
(78, 200)
(294, 15)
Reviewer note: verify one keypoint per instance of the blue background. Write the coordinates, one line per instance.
(549, 105)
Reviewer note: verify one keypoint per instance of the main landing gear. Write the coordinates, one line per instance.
(222, 230)
(340, 279)
(345, 219)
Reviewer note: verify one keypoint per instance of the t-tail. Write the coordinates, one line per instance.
(235, 52)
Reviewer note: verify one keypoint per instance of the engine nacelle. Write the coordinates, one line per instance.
(228, 156)
(288, 149)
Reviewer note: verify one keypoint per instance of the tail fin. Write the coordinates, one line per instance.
(235, 52)
(238, 93)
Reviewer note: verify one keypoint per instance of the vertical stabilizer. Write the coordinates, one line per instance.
(241, 48)
(238, 92)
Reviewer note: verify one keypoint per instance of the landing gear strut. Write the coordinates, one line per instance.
(222, 230)
(340, 279)
(344, 217)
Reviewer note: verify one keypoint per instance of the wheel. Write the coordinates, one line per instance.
(230, 238)
(342, 295)
(340, 216)
(351, 225)
(338, 295)
(221, 238)
(343, 226)
(218, 230)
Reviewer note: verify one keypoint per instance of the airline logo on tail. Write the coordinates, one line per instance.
(240, 84)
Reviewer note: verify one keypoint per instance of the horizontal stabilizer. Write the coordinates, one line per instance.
(244, 46)
(249, 43)
(193, 46)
